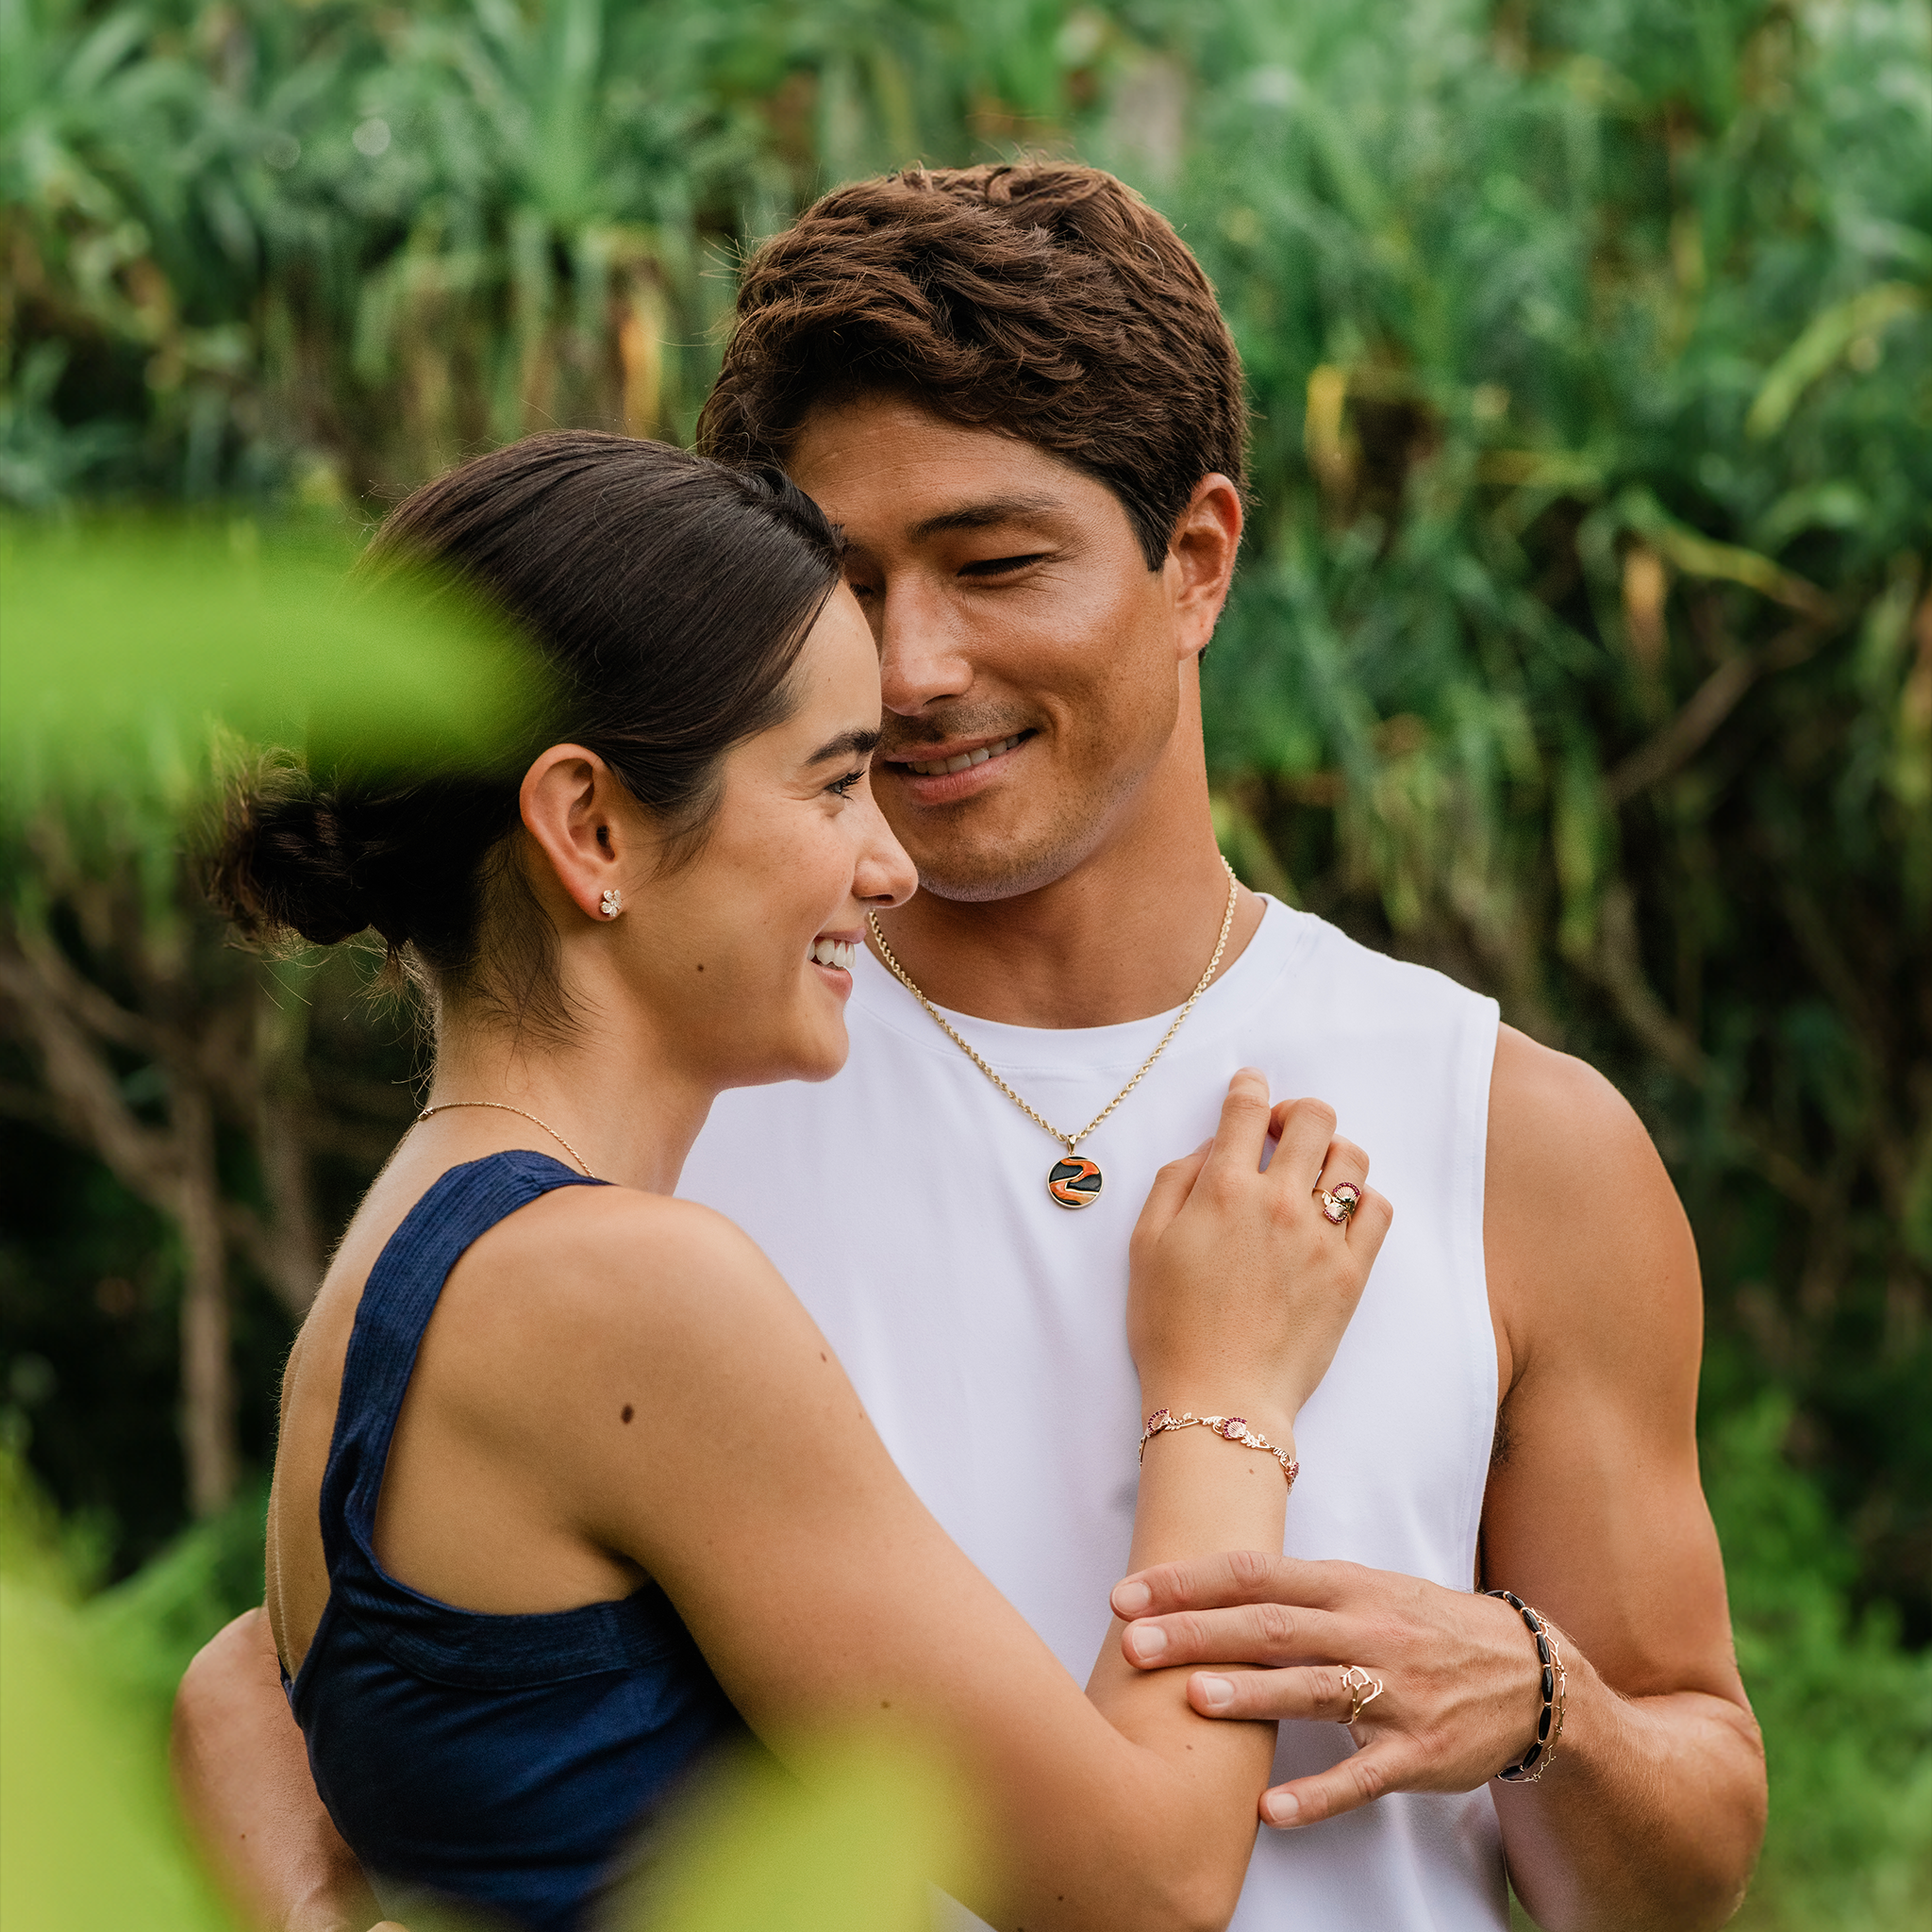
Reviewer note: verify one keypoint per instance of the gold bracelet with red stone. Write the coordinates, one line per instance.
(1230, 1429)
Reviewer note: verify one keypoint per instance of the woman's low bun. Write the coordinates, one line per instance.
(288, 866)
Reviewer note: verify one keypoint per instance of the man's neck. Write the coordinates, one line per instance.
(1126, 933)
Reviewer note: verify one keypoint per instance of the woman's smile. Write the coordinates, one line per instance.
(833, 956)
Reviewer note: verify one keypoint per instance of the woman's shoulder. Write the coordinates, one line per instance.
(618, 1265)
(582, 1321)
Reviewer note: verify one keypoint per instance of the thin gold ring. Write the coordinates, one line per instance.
(1362, 1687)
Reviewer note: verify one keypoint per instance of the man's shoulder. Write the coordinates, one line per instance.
(1358, 989)
(1558, 1112)
(1590, 1251)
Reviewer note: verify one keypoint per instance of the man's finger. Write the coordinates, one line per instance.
(1244, 1634)
(1313, 1693)
(1357, 1781)
(1233, 1576)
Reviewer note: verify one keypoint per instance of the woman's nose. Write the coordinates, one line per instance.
(886, 875)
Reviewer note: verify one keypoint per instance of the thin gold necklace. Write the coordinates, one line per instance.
(503, 1107)
(1073, 1182)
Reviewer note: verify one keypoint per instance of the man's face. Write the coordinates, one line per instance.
(1019, 627)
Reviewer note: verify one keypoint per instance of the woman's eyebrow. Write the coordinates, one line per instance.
(848, 744)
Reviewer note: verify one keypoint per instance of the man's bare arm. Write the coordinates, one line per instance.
(242, 1771)
(1653, 1811)
(1595, 1510)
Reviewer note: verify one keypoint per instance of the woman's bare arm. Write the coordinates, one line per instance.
(820, 1587)
(684, 1412)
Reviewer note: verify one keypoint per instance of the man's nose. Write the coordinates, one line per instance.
(921, 659)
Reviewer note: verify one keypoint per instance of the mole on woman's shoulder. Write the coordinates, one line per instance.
(628, 1413)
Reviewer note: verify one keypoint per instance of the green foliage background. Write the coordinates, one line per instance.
(1583, 643)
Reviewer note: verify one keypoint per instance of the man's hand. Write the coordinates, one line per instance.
(1460, 1681)
(241, 1773)
(1653, 1809)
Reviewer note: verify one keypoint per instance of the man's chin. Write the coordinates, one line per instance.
(980, 874)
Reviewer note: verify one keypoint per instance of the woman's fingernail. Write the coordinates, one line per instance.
(1217, 1694)
(1281, 1808)
(1131, 1597)
(1147, 1642)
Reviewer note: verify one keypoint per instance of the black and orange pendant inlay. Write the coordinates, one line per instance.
(1073, 1182)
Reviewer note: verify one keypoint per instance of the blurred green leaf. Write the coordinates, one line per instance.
(127, 643)
(91, 1838)
(1860, 318)
(854, 1842)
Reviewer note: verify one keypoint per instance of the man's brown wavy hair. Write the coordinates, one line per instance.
(1040, 298)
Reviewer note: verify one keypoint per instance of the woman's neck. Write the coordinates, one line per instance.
(623, 1107)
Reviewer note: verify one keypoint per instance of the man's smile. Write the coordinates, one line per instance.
(936, 774)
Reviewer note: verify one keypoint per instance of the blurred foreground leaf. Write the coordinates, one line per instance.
(124, 642)
(92, 1843)
(856, 1843)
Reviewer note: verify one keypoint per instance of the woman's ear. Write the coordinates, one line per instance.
(584, 822)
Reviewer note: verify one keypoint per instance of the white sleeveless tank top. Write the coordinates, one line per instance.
(906, 1202)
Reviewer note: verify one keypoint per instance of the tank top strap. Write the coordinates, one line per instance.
(397, 1302)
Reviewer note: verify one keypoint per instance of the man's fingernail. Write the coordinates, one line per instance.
(1131, 1598)
(1217, 1694)
(1147, 1642)
(1281, 1808)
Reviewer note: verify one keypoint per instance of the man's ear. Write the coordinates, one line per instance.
(1206, 539)
(585, 823)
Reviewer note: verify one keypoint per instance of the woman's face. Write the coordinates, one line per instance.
(748, 949)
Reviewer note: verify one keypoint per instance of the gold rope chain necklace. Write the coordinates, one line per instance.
(503, 1107)
(1073, 1182)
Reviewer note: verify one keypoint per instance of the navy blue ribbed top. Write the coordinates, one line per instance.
(500, 1763)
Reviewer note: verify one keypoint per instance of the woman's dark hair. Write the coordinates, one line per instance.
(667, 598)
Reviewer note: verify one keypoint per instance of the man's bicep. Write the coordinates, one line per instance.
(1595, 1509)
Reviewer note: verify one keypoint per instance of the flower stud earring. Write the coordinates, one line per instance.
(613, 903)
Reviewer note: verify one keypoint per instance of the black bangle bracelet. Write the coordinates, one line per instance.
(1555, 1686)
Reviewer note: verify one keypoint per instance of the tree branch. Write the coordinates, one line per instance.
(1708, 707)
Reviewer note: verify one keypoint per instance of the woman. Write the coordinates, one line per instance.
(569, 1486)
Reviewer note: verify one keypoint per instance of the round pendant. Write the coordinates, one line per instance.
(1073, 1182)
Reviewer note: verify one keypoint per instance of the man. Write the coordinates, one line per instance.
(1012, 388)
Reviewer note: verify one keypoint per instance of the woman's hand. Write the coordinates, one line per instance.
(1240, 1285)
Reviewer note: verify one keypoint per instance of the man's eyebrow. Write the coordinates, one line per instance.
(848, 744)
(983, 515)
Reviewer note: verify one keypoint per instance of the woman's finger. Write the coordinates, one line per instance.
(1358, 1780)
(1307, 1128)
(1171, 1189)
(1372, 1220)
(1244, 1122)
(1247, 1634)
(1344, 1161)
